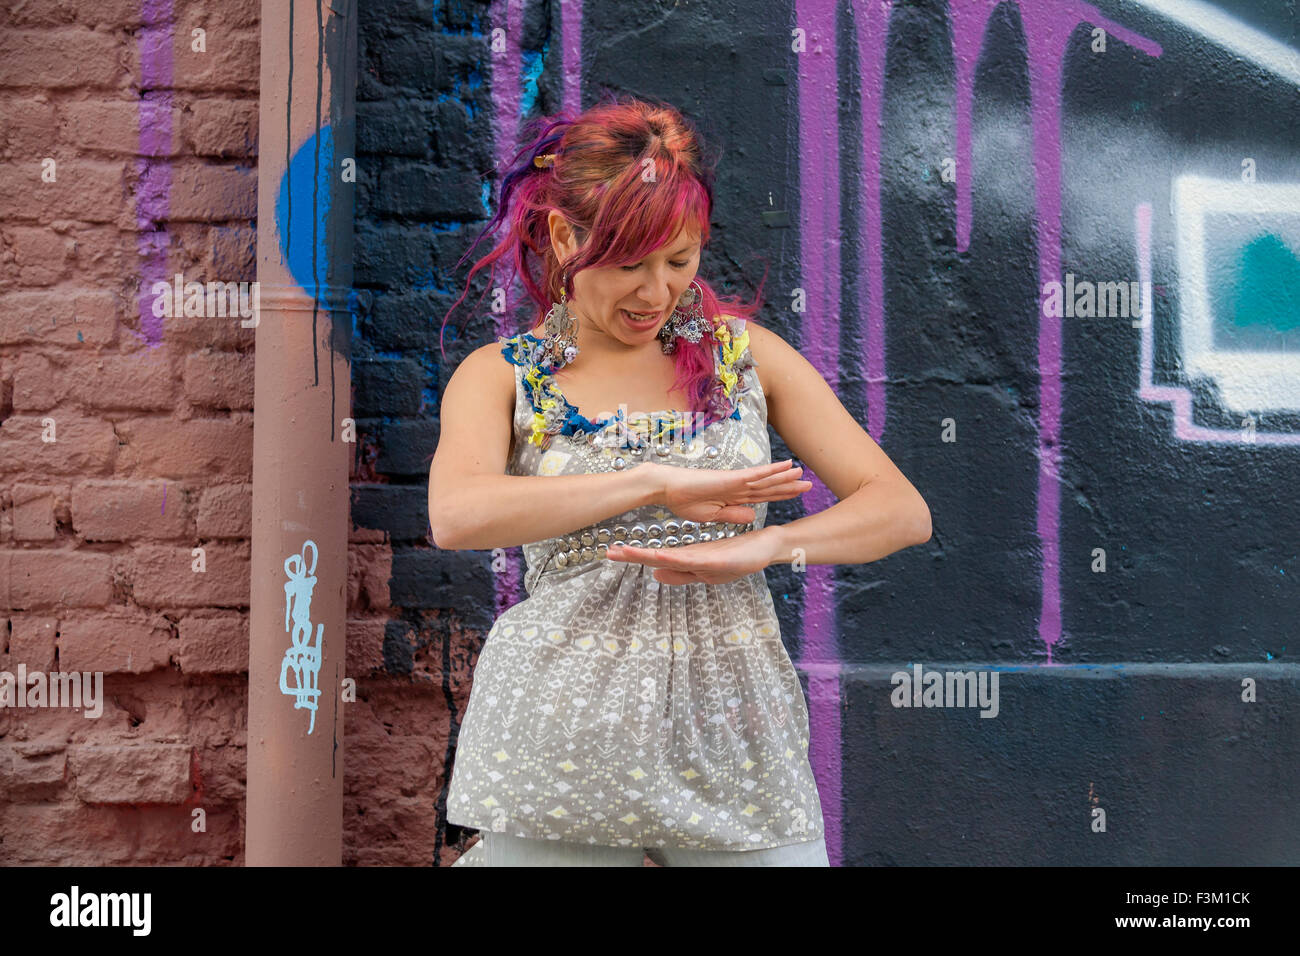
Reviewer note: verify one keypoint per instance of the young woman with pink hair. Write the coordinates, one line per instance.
(640, 700)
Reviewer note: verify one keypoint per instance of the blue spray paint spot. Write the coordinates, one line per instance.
(1268, 285)
(533, 64)
(308, 182)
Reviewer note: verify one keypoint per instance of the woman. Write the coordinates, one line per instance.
(640, 699)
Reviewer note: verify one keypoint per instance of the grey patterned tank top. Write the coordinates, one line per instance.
(609, 708)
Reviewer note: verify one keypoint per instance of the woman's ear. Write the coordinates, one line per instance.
(563, 240)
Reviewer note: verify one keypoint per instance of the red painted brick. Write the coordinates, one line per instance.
(42, 58)
(233, 252)
(101, 13)
(199, 448)
(38, 255)
(141, 380)
(115, 644)
(32, 772)
(111, 126)
(230, 63)
(231, 13)
(58, 578)
(192, 333)
(28, 125)
(162, 576)
(130, 510)
(101, 254)
(91, 190)
(144, 773)
(82, 445)
(371, 568)
(226, 511)
(58, 318)
(220, 127)
(206, 193)
(33, 513)
(219, 379)
(36, 383)
(214, 645)
(32, 641)
(365, 645)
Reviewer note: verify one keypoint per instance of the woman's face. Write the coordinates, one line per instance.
(604, 297)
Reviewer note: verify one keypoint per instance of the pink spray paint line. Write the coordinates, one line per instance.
(1048, 25)
(1185, 428)
(820, 234)
(153, 168)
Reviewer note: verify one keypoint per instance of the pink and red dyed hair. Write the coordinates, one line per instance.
(601, 182)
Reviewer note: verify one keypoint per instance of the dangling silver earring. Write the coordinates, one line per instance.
(686, 322)
(561, 327)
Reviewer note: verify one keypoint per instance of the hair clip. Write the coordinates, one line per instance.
(546, 159)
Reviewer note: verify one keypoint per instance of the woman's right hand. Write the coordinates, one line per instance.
(721, 494)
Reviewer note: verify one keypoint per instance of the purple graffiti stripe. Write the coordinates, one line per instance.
(571, 44)
(1048, 25)
(820, 237)
(153, 168)
(505, 101)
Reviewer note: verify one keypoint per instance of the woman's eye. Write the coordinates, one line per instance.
(675, 265)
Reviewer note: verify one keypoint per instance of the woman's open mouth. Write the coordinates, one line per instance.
(640, 320)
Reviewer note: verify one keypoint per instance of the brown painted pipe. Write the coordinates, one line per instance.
(302, 437)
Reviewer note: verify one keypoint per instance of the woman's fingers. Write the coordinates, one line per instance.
(789, 491)
(736, 513)
(775, 494)
(763, 472)
(789, 474)
(781, 488)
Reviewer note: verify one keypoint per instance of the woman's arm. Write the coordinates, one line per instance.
(475, 505)
(878, 511)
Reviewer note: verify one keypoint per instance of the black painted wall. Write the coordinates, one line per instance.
(1140, 712)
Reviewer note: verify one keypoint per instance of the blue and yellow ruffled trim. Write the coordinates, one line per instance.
(553, 414)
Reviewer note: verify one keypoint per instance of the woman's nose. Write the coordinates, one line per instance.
(656, 289)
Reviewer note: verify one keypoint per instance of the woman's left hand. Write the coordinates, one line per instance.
(706, 562)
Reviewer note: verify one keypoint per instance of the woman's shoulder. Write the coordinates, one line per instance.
(483, 372)
(757, 337)
(763, 351)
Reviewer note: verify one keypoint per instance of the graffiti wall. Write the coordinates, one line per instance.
(1048, 253)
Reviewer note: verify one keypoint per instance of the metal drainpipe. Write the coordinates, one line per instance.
(301, 446)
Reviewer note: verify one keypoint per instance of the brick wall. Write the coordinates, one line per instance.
(154, 172)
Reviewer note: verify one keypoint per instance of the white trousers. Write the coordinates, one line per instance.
(503, 849)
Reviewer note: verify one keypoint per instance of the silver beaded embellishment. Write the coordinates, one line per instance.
(594, 542)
